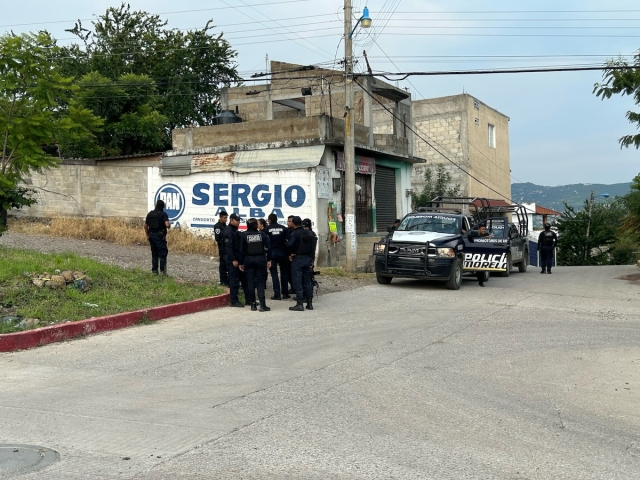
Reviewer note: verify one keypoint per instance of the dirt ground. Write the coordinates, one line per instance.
(197, 268)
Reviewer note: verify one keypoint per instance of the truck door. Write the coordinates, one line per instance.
(488, 252)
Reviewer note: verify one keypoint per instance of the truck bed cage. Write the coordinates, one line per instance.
(481, 209)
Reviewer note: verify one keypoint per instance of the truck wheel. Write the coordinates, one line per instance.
(486, 276)
(383, 280)
(456, 276)
(522, 266)
(506, 274)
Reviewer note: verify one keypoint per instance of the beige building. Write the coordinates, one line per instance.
(463, 128)
(471, 134)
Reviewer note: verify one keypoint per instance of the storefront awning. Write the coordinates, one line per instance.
(292, 158)
(270, 159)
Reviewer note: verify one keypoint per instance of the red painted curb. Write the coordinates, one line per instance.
(11, 342)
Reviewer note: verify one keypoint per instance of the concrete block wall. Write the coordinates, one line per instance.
(440, 121)
(458, 127)
(90, 190)
(491, 165)
(264, 131)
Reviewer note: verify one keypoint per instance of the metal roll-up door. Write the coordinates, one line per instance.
(385, 192)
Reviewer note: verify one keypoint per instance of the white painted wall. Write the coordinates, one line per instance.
(194, 201)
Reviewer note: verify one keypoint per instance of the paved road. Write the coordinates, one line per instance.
(532, 377)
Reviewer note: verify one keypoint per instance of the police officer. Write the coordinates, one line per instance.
(482, 232)
(300, 249)
(231, 238)
(291, 227)
(306, 224)
(262, 224)
(156, 225)
(278, 236)
(253, 245)
(218, 228)
(547, 242)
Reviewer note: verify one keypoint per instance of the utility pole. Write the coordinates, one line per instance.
(349, 148)
(586, 249)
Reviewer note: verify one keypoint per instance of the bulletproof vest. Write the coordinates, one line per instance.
(305, 246)
(154, 221)
(255, 245)
(547, 239)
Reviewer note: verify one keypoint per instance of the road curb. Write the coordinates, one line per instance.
(10, 342)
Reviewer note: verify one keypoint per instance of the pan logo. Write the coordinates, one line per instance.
(173, 199)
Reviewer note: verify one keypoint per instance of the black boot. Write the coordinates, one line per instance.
(309, 304)
(263, 306)
(276, 297)
(254, 307)
(298, 307)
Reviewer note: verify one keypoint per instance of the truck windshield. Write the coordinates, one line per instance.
(430, 223)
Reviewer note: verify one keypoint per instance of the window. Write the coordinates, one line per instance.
(492, 136)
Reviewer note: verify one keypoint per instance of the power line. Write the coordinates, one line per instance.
(496, 71)
(490, 12)
(428, 143)
(159, 13)
(294, 33)
(447, 120)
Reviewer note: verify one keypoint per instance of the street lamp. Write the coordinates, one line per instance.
(349, 134)
(364, 20)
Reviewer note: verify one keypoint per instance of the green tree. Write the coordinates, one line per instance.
(129, 108)
(36, 112)
(188, 68)
(575, 248)
(625, 82)
(627, 246)
(437, 183)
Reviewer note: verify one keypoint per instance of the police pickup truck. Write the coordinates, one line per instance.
(434, 244)
(426, 245)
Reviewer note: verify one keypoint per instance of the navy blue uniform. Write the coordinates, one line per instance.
(300, 245)
(218, 228)
(546, 244)
(278, 236)
(231, 238)
(158, 240)
(254, 245)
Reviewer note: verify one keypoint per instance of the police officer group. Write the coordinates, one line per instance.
(287, 252)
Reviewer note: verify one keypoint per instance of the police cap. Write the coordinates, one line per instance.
(306, 223)
(233, 216)
(547, 226)
(296, 220)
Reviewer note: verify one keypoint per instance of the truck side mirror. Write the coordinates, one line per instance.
(473, 234)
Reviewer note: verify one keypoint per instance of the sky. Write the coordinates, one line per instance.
(560, 132)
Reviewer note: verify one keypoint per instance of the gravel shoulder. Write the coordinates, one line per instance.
(188, 267)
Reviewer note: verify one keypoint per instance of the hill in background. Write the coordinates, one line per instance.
(574, 195)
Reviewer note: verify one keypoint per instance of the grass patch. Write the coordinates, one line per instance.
(112, 230)
(340, 272)
(114, 289)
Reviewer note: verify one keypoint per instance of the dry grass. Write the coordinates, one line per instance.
(114, 231)
(340, 272)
